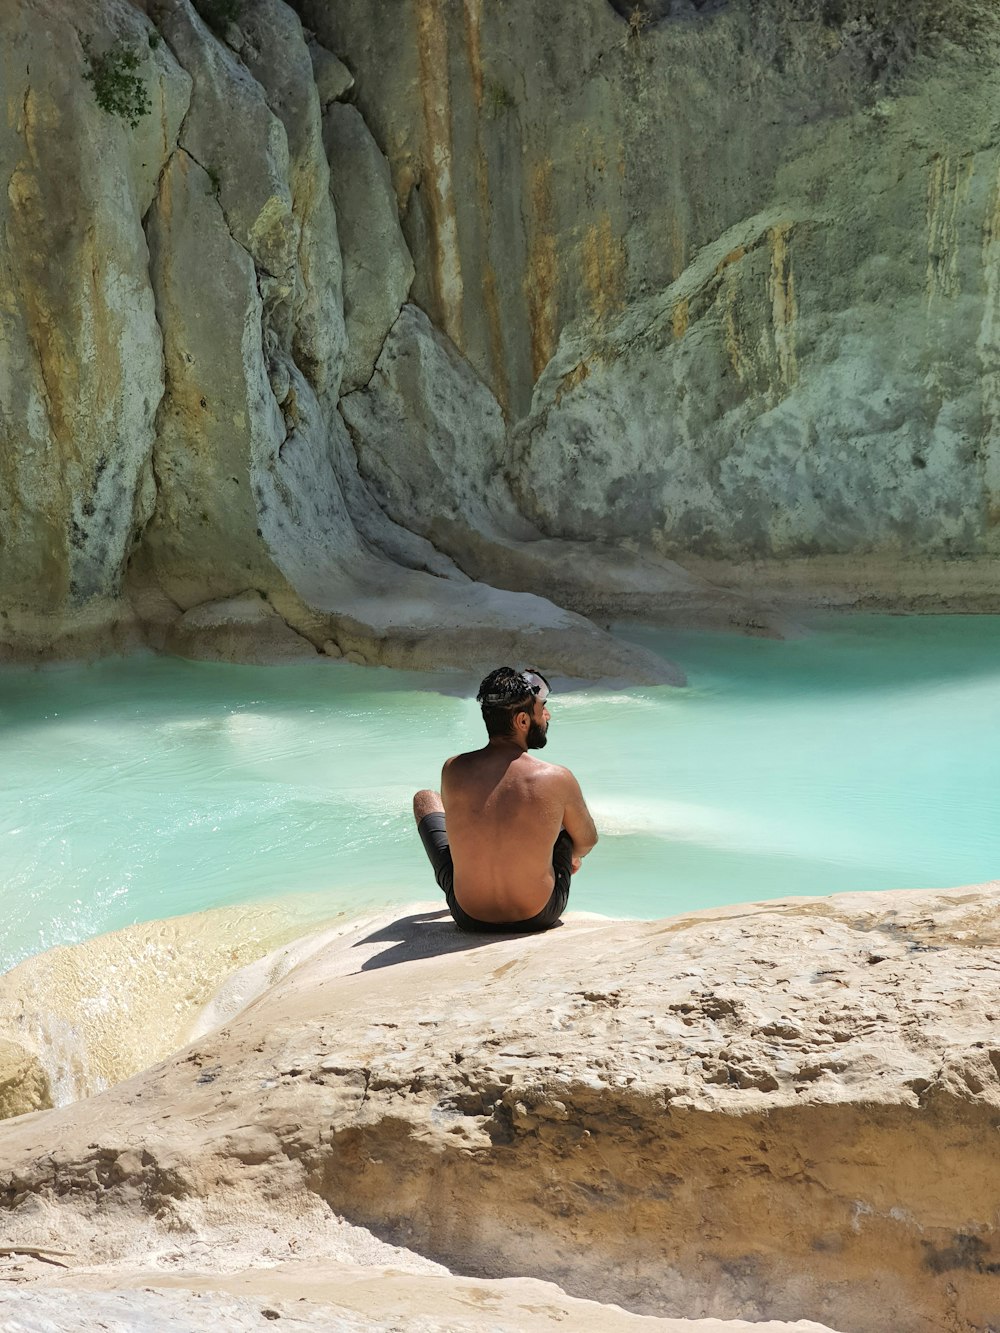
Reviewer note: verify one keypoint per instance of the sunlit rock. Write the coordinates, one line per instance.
(378, 269)
(80, 349)
(426, 424)
(774, 1111)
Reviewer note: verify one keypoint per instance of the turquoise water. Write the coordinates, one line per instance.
(861, 756)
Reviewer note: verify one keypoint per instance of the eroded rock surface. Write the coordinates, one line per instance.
(171, 436)
(376, 1300)
(708, 322)
(77, 1019)
(80, 348)
(731, 269)
(783, 1111)
(378, 268)
(425, 424)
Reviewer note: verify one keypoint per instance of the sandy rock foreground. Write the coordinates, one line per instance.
(781, 1112)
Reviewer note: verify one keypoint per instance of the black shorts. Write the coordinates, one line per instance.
(435, 839)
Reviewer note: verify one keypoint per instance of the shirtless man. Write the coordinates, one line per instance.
(518, 828)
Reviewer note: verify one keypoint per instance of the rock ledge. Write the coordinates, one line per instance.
(780, 1111)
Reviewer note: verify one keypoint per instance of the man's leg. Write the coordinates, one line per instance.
(428, 811)
(427, 802)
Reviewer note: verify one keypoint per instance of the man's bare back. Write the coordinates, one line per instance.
(505, 809)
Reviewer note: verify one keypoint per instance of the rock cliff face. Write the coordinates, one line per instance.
(176, 339)
(731, 268)
(781, 1111)
(548, 310)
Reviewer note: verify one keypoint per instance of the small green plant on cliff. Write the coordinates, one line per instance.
(496, 100)
(118, 89)
(218, 14)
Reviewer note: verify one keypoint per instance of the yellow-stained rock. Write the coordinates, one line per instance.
(24, 1083)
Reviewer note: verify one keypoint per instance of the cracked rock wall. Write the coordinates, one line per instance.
(180, 315)
(80, 348)
(730, 268)
(359, 364)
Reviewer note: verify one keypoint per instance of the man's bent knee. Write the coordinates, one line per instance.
(426, 802)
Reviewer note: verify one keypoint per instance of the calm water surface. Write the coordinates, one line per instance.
(861, 756)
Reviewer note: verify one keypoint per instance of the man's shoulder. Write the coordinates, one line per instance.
(459, 759)
(460, 766)
(551, 772)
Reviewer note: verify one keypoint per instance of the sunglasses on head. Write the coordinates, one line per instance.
(534, 685)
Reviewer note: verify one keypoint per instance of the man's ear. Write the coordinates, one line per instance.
(522, 721)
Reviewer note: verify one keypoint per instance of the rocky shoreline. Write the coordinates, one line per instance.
(782, 1111)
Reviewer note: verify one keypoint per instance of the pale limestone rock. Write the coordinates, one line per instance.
(274, 49)
(232, 133)
(775, 1111)
(255, 482)
(202, 538)
(75, 1020)
(249, 489)
(426, 425)
(303, 520)
(719, 423)
(378, 269)
(254, 125)
(384, 615)
(237, 629)
(102, 625)
(252, 339)
(826, 388)
(249, 496)
(378, 532)
(603, 188)
(344, 1301)
(80, 356)
(332, 77)
(154, 1312)
(24, 1082)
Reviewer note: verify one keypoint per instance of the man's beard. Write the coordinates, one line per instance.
(537, 736)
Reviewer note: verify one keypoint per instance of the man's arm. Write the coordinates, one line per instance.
(577, 820)
(446, 778)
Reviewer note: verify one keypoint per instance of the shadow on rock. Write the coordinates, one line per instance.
(424, 935)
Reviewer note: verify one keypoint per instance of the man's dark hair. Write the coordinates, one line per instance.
(503, 694)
